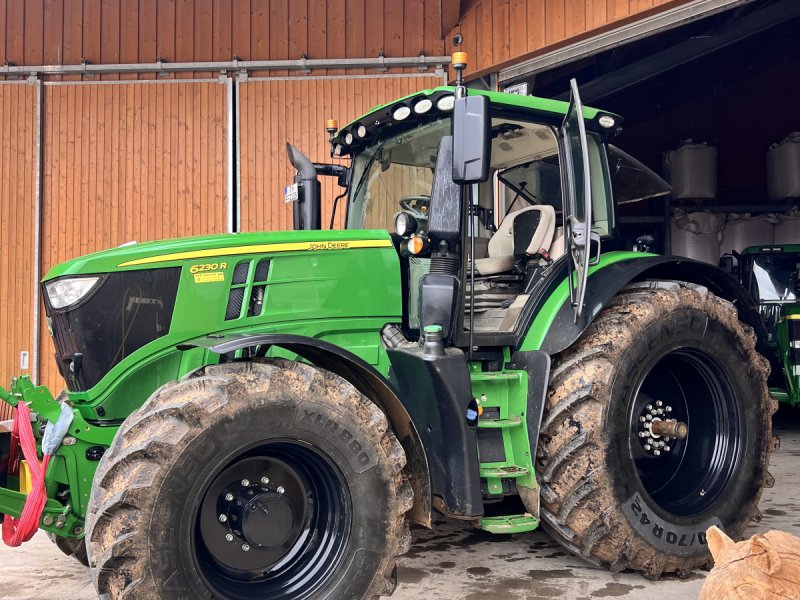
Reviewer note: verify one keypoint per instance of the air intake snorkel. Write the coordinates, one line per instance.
(306, 212)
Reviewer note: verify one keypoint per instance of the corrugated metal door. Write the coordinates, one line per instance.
(17, 198)
(129, 161)
(272, 112)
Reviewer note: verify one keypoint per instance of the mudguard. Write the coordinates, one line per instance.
(606, 283)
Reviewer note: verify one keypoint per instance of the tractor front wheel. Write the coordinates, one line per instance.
(657, 426)
(267, 479)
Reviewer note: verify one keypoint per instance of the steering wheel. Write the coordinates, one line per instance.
(417, 206)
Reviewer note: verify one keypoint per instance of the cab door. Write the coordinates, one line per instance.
(578, 204)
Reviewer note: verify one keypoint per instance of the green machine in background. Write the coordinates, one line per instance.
(772, 276)
(262, 415)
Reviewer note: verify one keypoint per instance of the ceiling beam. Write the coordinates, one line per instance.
(684, 52)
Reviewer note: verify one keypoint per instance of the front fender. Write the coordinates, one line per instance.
(605, 282)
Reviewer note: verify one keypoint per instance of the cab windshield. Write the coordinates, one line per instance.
(774, 277)
(395, 174)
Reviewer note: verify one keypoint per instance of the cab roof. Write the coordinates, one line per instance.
(379, 117)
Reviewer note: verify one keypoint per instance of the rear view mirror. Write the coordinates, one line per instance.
(471, 139)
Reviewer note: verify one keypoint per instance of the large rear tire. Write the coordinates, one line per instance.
(612, 490)
(268, 479)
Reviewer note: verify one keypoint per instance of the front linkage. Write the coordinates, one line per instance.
(68, 480)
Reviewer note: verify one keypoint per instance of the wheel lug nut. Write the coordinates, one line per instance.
(229, 537)
(668, 408)
(659, 403)
(223, 518)
(642, 419)
(228, 496)
(264, 480)
(280, 489)
(660, 411)
(657, 452)
(649, 417)
(246, 482)
(667, 448)
(246, 547)
(647, 447)
(649, 407)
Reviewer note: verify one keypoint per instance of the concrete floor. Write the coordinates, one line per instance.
(454, 562)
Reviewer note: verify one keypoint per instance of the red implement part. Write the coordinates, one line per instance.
(18, 531)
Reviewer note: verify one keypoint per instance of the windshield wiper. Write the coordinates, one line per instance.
(367, 167)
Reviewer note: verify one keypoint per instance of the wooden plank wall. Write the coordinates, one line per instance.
(17, 198)
(129, 161)
(37, 32)
(272, 112)
(498, 31)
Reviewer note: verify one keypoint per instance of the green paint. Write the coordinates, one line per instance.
(509, 524)
(545, 317)
(505, 394)
(791, 368)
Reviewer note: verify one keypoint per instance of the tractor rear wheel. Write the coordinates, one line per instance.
(617, 489)
(269, 479)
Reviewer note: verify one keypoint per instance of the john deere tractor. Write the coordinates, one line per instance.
(772, 276)
(262, 415)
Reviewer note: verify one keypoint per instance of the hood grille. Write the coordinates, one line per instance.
(246, 296)
(125, 311)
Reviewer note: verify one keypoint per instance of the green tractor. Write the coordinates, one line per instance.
(263, 415)
(772, 276)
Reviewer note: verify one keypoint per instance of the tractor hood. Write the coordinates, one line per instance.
(139, 304)
(176, 252)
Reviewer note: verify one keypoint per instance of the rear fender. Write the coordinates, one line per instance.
(367, 380)
(606, 283)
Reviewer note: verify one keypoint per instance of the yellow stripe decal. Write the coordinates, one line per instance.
(259, 249)
(794, 317)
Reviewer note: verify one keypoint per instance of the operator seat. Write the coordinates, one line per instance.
(524, 233)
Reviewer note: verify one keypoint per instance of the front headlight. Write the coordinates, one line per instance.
(67, 291)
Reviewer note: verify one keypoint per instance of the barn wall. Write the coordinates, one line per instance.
(129, 161)
(34, 32)
(17, 198)
(273, 111)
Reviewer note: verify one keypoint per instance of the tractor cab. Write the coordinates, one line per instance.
(545, 177)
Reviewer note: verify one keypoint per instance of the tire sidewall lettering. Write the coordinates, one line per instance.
(352, 446)
(663, 535)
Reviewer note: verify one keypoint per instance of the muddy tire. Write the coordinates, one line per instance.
(73, 548)
(268, 479)
(612, 490)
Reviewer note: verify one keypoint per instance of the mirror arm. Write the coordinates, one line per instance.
(341, 172)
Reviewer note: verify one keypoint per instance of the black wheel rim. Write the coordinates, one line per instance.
(274, 522)
(685, 477)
